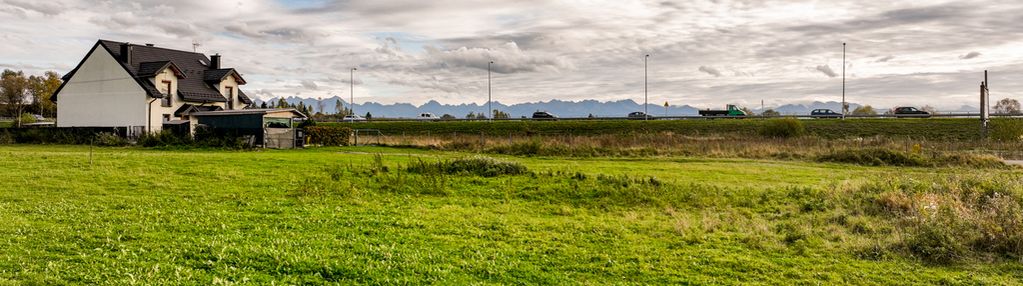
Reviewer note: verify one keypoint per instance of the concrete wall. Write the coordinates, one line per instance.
(101, 94)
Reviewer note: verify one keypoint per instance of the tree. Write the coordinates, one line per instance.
(13, 91)
(41, 88)
(1007, 106)
(447, 117)
(770, 112)
(281, 103)
(338, 107)
(499, 114)
(864, 110)
(368, 116)
(471, 115)
(263, 106)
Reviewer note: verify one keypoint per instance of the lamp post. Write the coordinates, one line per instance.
(490, 93)
(352, 93)
(845, 107)
(646, 88)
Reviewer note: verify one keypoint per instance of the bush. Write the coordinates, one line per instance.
(480, 166)
(163, 139)
(6, 137)
(329, 135)
(783, 128)
(1006, 130)
(110, 139)
(27, 118)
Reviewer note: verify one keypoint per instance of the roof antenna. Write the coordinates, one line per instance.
(195, 46)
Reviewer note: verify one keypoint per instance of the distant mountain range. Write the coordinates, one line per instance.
(560, 108)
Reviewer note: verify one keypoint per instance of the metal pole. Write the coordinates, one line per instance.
(646, 88)
(352, 94)
(490, 93)
(845, 108)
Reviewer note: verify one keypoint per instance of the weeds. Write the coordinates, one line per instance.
(479, 166)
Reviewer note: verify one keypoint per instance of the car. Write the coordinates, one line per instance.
(353, 118)
(906, 112)
(825, 113)
(640, 115)
(544, 115)
(38, 117)
(427, 116)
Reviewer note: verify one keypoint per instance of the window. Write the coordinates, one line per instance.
(229, 91)
(168, 97)
(166, 117)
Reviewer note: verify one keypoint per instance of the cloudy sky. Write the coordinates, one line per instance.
(703, 53)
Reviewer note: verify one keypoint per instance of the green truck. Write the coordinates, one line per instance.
(731, 111)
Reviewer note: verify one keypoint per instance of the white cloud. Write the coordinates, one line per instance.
(415, 51)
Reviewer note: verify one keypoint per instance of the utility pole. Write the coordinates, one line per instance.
(646, 88)
(490, 93)
(985, 104)
(352, 94)
(845, 106)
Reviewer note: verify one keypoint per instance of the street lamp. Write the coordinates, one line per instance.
(646, 89)
(845, 109)
(352, 93)
(490, 93)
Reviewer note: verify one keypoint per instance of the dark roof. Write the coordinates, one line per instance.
(244, 98)
(217, 75)
(147, 60)
(190, 108)
(250, 111)
(150, 69)
(201, 97)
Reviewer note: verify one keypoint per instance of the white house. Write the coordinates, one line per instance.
(143, 87)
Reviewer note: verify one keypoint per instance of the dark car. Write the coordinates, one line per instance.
(825, 113)
(903, 112)
(640, 115)
(544, 115)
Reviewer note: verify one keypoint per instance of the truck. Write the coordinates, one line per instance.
(731, 110)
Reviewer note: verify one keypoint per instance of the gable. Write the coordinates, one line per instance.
(99, 65)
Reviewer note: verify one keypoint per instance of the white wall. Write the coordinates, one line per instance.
(101, 94)
(233, 97)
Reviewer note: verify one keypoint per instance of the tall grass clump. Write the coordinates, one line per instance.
(874, 157)
(783, 128)
(954, 219)
(479, 166)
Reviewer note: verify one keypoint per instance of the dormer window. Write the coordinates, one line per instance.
(168, 97)
(229, 92)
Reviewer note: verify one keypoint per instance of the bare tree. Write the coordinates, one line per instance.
(1007, 106)
(320, 105)
(13, 92)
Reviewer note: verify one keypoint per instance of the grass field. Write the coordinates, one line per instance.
(930, 129)
(370, 215)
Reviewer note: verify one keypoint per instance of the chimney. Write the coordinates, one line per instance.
(126, 53)
(215, 61)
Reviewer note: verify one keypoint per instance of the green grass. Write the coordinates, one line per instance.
(931, 129)
(353, 215)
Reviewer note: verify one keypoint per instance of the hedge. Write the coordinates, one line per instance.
(329, 135)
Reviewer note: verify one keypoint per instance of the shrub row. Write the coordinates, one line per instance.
(329, 135)
(930, 129)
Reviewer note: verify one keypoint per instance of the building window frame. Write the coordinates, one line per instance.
(168, 98)
(229, 90)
